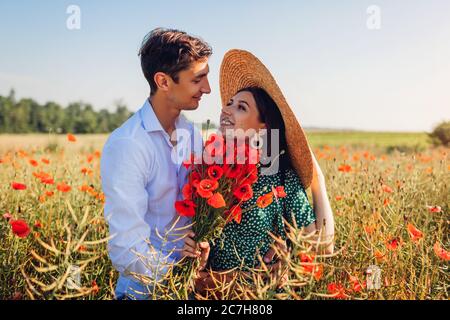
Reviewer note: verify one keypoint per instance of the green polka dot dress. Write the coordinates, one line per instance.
(241, 243)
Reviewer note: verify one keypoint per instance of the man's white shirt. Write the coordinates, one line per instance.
(142, 177)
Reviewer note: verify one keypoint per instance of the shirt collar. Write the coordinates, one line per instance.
(151, 122)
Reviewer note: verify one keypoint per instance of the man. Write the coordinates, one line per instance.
(141, 168)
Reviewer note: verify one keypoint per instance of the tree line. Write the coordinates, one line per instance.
(28, 116)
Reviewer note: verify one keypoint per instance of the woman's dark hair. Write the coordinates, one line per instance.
(270, 114)
(170, 51)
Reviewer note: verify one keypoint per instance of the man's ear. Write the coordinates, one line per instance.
(162, 81)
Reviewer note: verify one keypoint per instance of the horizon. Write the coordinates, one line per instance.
(186, 115)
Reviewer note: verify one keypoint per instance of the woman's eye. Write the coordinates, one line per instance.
(196, 81)
(241, 107)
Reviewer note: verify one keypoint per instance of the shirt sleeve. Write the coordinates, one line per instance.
(125, 170)
(298, 208)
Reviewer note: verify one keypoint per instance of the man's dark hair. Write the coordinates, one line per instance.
(170, 51)
(270, 114)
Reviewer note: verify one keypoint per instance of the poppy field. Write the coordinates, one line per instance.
(390, 205)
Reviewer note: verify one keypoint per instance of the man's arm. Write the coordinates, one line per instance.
(125, 170)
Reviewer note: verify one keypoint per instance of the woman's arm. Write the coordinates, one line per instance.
(322, 209)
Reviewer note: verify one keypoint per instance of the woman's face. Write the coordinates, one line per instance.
(240, 113)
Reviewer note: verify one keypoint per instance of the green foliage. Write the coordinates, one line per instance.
(27, 116)
(441, 134)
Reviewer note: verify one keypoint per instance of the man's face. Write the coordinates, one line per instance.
(192, 84)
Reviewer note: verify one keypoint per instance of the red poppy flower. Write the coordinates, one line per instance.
(379, 256)
(95, 289)
(215, 172)
(279, 192)
(37, 224)
(308, 258)
(206, 187)
(195, 178)
(33, 162)
(244, 192)
(307, 262)
(414, 233)
(18, 186)
(318, 272)
(185, 208)
(232, 170)
(235, 213)
(387, 189)
(264, 200)
(216, 201)
(345, 168)
(249, 175)
(393, 244)
(357, 286)
(337, 290)
(85, 170)
(71, 137)
(248, 180)
(20, 228)
(434, 209)
(63, 187)
(187, 191)
(440, 252)
(47, 180)
(46, 161)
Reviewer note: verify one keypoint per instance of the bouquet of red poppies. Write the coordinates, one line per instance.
(218, 184)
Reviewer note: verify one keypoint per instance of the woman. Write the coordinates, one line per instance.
(253, 102)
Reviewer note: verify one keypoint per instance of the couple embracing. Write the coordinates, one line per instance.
(143, 175)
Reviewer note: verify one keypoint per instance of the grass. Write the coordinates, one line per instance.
(376, 193)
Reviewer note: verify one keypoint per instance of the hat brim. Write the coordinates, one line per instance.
(240, 69)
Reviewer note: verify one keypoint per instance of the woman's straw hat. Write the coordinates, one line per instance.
(240, 69)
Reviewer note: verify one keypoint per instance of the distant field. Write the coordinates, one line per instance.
(25, 141)
(369, 139)
(384, 140)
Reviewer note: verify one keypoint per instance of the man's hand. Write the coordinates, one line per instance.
(196, 250)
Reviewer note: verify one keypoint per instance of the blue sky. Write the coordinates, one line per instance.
(333, 70)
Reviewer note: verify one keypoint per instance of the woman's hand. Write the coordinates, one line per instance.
(278, 269)
(196, 250)
(213, 281)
